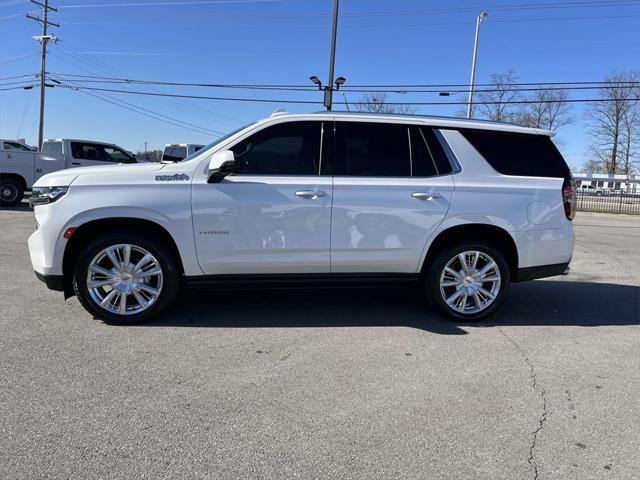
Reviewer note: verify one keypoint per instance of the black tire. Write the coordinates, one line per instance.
(11, 192)
(436, 267)
(166, 260)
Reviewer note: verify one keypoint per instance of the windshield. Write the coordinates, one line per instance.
(216, 142)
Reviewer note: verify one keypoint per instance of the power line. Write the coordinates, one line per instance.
(313, 88)
(308, 102)
(150, 113)
(159, 4)
(94, 64)
(506, 88)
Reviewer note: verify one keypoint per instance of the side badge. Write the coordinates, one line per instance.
(176, 177)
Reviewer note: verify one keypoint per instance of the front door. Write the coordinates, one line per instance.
(392, 188)
(273, 214)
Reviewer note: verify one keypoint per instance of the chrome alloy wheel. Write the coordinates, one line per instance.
(124, 279)
(470, 282)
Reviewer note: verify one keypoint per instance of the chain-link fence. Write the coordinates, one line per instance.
(608, 202)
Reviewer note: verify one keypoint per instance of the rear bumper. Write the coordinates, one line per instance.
(53, 282)
(541, 271)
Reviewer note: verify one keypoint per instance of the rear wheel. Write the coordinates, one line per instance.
(11, 192)
(468, 281)
(124, 278)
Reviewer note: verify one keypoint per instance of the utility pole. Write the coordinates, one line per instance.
(479, 20)
(328, 91)
(43, 39)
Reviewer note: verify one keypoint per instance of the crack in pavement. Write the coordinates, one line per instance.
(535, 386)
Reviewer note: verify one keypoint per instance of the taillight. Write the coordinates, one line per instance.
(569, 199)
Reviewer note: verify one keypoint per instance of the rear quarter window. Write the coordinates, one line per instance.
(519, 154)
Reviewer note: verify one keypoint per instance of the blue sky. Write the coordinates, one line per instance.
(283, 42)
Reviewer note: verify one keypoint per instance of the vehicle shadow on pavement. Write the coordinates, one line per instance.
(546, 302)
(22, 207)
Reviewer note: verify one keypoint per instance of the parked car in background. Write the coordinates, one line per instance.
(21, 166)
(590, 190)
(459, 208)
(176, 152)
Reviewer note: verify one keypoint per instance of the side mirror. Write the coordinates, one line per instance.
(221, 165)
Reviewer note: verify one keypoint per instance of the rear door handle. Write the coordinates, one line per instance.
(75, 163)
(426, 195)
(312, 194)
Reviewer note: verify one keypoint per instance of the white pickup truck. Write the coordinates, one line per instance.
(21, 166)
(176, 152)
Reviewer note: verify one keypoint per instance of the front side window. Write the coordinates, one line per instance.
(15, 146)
(368, 149)
(285, 149)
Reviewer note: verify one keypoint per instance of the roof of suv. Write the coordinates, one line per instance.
(441, 121)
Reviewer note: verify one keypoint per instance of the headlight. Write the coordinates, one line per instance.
(44, 195)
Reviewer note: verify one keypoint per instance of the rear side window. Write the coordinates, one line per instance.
(54, 148)
(372, 150)
(519, 154)
(428, 157)
(174, 154)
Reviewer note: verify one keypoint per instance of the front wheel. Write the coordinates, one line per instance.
(124, 278)
(11, 192)
(468, 281)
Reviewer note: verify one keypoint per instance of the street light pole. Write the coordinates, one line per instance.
(328, 91)
(479, 20)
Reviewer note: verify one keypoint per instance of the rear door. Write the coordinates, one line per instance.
(273, 214)
(392, 187)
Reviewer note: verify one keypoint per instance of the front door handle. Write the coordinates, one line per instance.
(426, 195)
(75, 163)
(312, 194)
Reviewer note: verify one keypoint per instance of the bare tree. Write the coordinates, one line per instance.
(377, 103)
(630, 145)
(607, 117)
(548, 109)
(593, 166)
(493, 101)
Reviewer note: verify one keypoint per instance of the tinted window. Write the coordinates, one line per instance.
(285, 149)
(519, 153)
(114, 154)
(85, 151)
(437, 151)
(99, 152)
(372, 150)
(174, 154)
(421, 155)
(52, 147)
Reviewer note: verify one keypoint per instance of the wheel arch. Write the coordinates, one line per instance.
(90, 229)
(498, 236)
(14, 176)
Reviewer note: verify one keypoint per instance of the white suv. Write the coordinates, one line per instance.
(462, 208)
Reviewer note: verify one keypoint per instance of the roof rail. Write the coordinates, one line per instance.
(279, 111)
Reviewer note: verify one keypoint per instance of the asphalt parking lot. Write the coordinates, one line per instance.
(335, 384)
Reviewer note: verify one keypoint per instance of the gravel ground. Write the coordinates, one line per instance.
(324, 383)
